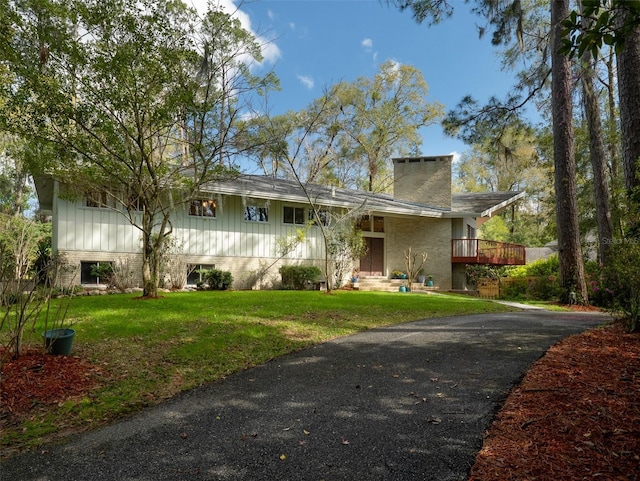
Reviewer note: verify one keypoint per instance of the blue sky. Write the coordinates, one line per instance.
(312, 44)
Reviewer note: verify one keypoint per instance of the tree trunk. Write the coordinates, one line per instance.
(149, 272)
(569, 253)
(616, 182)
(597, 155)
(629, 100)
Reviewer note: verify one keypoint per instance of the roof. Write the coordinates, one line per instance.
(483, 204)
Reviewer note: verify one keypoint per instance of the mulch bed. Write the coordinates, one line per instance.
(36, 380)
(575, 416)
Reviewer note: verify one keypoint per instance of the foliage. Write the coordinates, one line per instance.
(542, 267)
(123, 274)
(480, 271)
(603, 26)
(142, 120)
(20, 241)
(348, 136)
(299, 277)
(346, 246)
(621, 279)
(216, 279)
(24, 300)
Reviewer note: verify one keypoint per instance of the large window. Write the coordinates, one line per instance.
(203, 208)
(293, 215)
(195, 273)
(90, 272)
(253, 213)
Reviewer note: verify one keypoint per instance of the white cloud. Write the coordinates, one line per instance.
(367, 43)
(306, 80)
(456, 156)
(270, 51)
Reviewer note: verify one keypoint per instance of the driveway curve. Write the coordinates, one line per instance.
(406, 402)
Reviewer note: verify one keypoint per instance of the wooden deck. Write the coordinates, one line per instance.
(480, 251)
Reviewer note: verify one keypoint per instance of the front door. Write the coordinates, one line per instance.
(372, 263)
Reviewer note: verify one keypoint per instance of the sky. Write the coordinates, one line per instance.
(312, 44)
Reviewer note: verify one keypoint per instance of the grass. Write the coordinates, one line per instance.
(150, 350)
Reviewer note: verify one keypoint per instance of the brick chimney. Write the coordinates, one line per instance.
(425, 180)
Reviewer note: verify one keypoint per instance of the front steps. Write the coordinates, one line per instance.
(384, 284)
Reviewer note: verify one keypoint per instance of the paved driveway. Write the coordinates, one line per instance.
(407, 402)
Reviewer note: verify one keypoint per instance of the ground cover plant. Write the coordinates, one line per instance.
(130, 353)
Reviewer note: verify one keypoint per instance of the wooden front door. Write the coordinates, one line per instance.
(372, 263)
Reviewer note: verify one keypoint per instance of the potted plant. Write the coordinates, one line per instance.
(396, 274)
(430, 281)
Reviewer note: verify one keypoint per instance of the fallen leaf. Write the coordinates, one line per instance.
(345, 441)
(282, 457)
(184, 435)
(306, 432)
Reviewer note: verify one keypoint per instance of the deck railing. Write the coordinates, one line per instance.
(480, 251)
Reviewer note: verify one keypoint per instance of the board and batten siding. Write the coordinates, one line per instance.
(88, 234)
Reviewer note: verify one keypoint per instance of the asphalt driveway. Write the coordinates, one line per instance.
(407, 402)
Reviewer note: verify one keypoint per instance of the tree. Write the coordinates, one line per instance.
(597, 155)
(348, 136)
(381, 117)
(571, 268)
(615, 23)
(132, 103)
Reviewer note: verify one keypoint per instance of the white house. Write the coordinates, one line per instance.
(235, 225)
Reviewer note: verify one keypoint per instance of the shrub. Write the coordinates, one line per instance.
(299, 277)
(540, 268)
(217, 280)
(621, 277)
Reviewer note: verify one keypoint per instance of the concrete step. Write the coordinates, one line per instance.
(383, 284)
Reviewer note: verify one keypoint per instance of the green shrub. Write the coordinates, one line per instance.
(216, 280)
(515, 289)
(621, 278)
(299, 277)
(541, 267)
(545, 288)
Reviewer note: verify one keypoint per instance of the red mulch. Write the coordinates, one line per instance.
(36, 379)
(575, 416)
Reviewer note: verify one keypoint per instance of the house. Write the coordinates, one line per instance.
(236, 225)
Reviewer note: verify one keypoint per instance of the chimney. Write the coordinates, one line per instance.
(424, 180)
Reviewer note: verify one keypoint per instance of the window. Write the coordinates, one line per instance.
(321, 218)
(378, 224)
(195, 273)
(91, 272)
(365, 224)
(203, 208)
(99, 200)
(253, 213)
(293, 215)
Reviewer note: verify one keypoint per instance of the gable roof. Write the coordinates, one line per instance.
(268, 188)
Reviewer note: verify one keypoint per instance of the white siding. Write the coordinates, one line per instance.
(88, 229)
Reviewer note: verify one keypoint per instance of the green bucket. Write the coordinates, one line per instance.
(59, 341)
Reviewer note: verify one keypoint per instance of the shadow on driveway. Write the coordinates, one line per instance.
(407, 402)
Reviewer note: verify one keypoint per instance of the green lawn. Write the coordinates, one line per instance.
(150, 350)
